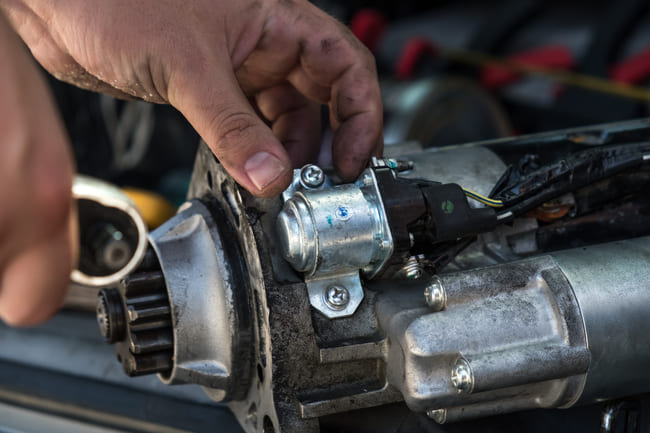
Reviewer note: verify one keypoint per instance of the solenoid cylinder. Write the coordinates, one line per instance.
(323, 230)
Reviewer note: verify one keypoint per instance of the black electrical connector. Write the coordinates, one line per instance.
(423, 214)
(450, 217)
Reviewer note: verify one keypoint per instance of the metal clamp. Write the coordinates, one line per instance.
(331, 234)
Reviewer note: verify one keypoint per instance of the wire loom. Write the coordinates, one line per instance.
(516, 193)
(521, 192)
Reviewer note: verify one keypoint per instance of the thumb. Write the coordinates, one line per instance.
(213, 102)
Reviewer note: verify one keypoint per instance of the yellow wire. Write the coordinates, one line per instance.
(483, 199)
(602, 85)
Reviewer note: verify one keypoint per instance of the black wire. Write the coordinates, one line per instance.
(569, 174)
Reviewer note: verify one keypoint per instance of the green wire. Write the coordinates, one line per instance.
(483, 199)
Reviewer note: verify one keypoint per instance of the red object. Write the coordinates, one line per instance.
(412, 52)
(633, 70)
(551, 56)
(368, 25)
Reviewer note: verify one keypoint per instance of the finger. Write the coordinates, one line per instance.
(36, 162)
(275, 101)
(35, 193)
(302, 143)
(212, 101)
(34, 283)
(276, 43)
(351, 150)
(307, 86)
(295, 121)
(46, 183)
(332, 57)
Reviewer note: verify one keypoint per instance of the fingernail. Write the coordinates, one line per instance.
(263, 168)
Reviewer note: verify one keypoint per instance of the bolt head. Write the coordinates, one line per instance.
(312, 176)
(438, 415)
(462, 377)
(337, 297)
(435, 295)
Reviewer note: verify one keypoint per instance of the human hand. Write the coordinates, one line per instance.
(211, 59)
(36, 229)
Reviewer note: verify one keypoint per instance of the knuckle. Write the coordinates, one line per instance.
(233, 126)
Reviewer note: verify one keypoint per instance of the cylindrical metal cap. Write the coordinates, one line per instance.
(297, 236)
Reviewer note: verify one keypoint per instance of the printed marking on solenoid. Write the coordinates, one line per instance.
(342, 213)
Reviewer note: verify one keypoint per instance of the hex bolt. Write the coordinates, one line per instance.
(462, 377)
(312, 176)
(436, 295)
(438, 415)
(337, 297)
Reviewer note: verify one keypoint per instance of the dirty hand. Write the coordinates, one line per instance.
(221, 62)
(36, 246)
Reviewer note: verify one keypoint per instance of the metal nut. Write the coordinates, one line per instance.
(462, 377)
(337, 297)
(312, 176)
(436, 295)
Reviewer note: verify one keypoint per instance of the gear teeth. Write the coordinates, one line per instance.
(151, 341)
(137, 317)
(140, 313)
(151, 363)
(141, 283)
(150, 261)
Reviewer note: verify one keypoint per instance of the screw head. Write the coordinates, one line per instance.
(462, 377)
(312, 176)
(436, 295)
(337, 297)
(438, 415)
